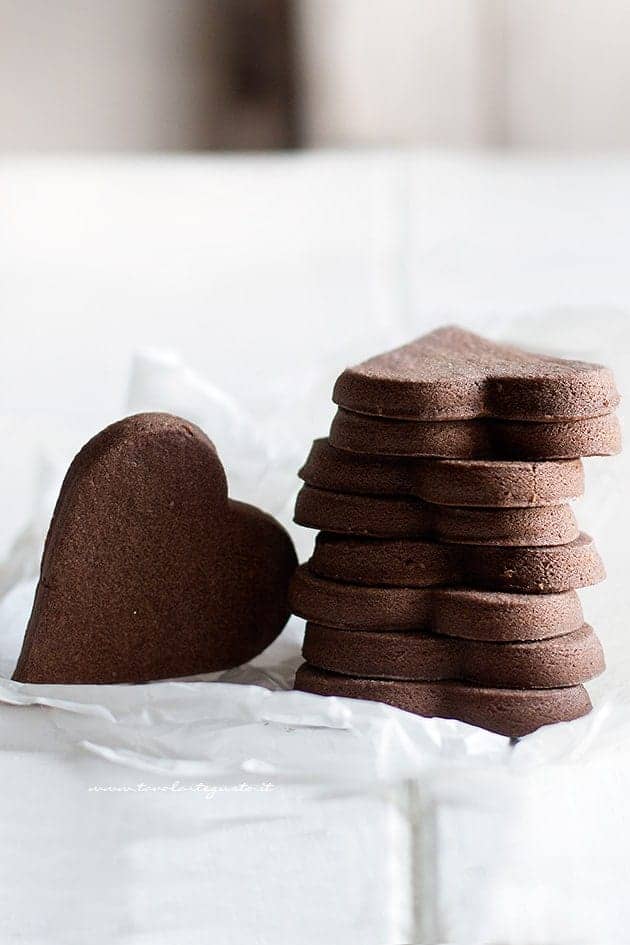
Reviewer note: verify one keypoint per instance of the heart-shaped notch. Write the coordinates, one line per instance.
(149, 570)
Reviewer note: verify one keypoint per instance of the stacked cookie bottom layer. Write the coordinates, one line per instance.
(447, 587)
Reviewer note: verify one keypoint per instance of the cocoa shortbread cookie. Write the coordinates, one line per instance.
(149, 570)
(410, 562)
(407, 517)
(542, 664)
(511, 712)
(461, 482)
(452, 374)
(476, 439)
(459, 612)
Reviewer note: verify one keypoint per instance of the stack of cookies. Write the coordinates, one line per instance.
(444, 574)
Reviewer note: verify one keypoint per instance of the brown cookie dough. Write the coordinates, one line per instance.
(452, 374)
(149, 570)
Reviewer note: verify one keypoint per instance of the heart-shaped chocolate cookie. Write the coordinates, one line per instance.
(149, 570)
(567, 660)
(453, 374)
(512, 712)
(416, 562)
(459, 482)
(476, 439)
(452, 611)
(408, 517)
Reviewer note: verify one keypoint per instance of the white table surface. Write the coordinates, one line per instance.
(268, 275)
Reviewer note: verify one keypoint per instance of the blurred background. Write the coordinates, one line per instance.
(263, 74)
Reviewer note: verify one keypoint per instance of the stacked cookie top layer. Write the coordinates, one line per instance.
(443, 578)
(452, 374)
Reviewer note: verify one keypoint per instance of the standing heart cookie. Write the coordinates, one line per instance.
(149, 569)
